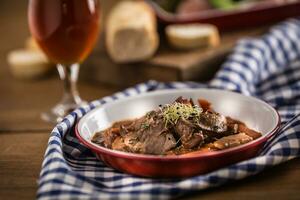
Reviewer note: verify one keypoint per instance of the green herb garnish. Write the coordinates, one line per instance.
(145, 125)
(173, 112)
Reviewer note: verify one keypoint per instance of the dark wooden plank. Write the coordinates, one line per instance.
(199, 64)
(21, 156)
(167, 64)
(277, 183)
(23, 101)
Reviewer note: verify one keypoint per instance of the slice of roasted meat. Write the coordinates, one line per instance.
(106, 137)
(188, 137)
(145, 135)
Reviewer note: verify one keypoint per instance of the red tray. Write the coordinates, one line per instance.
(261, 14)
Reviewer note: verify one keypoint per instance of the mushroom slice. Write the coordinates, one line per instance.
(212, 121)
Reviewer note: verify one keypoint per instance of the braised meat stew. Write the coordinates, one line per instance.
(181, 127)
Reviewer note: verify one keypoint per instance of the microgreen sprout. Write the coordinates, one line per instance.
(175, 111)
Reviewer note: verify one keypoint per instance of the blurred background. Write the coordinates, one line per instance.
(163, 40)
(23, 98)
(138, 41)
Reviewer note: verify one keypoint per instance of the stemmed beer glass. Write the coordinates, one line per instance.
(66, 31)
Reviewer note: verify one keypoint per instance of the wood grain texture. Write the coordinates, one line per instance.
(21, 155)
(167, 64)
(24, 101)
(23, 136)
(279, 182)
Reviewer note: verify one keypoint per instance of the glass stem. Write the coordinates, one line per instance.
(69, 75)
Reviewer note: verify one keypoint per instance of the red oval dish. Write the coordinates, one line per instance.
(264, 13)
(182, 165)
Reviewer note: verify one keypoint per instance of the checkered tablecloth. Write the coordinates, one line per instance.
(267, 68)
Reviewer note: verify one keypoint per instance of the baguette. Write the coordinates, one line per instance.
(28, 64)
(131, 32)
(189, 36)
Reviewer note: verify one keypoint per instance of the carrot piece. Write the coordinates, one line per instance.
(205, 105)
(115, 130)
(248, 131)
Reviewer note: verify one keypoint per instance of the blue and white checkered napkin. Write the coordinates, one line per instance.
(268, 68)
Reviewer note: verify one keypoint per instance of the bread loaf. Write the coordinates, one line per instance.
(131, 32)
(28, 64)
(189, 36)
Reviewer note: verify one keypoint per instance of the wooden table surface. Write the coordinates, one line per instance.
(23, 136)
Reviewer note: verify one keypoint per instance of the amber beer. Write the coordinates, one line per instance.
(66, 30)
